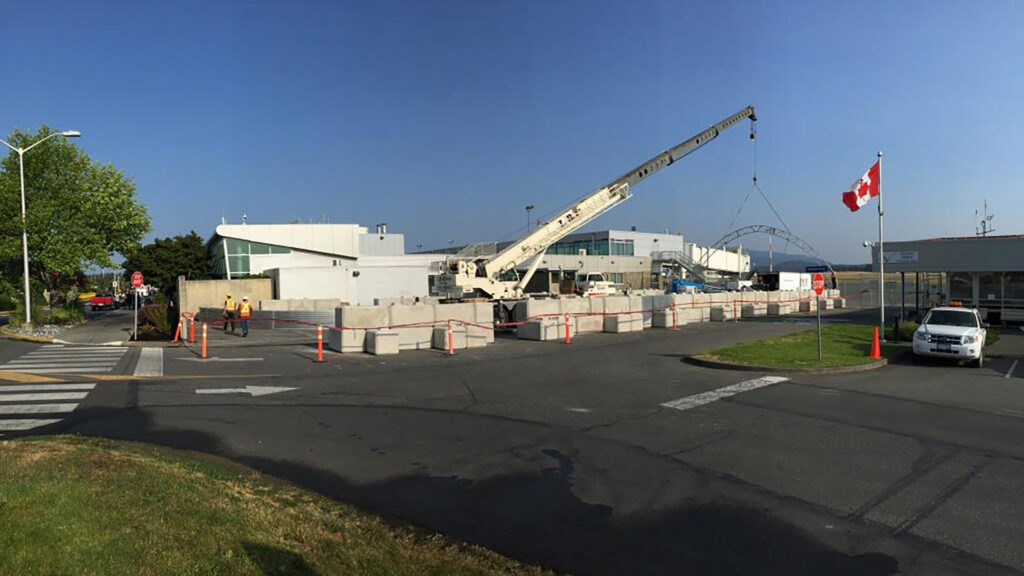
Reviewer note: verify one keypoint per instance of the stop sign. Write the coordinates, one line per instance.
(818, 283)
(136, 279)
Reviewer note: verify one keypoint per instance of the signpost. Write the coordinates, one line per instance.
(136, 284)
(818, 283)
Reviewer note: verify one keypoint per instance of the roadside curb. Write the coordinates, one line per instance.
(4, 333)
(68, 343)
(696, 360)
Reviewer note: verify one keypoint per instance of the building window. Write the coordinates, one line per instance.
(239, 265)
(621, 247)
(961, 286)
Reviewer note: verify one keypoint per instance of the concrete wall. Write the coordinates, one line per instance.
(194, 294)
(333, 282)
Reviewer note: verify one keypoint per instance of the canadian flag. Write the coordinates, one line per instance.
(863, 190)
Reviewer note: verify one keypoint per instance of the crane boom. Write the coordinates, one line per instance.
(485, 276)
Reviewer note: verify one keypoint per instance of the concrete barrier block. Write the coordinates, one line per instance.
(483, 312)
(619, 323)
(614, 304)
(353, 321)
(779, 308)
(839, 303)
(460, 311)
(586, 324)
(665, 319)
(459, 340)
(722, 313)
(573, 305)
(826, 303)
(753, 310)
(808, 306)
(682, 300)
(382, 342)
(545, 329)
(412, 337)
(718, 298)
(700, 300)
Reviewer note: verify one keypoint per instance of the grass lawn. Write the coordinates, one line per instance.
(841, 345)
(71, 505)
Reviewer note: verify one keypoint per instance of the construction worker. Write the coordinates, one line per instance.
(244, 311)
(229, 313)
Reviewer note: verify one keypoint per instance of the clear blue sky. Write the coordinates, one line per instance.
(444, 119)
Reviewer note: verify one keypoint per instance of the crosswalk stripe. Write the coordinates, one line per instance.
(26, 424)
(71, 355)
(64, 370)
(151, 362)
(42, 396)
(37, 408)
(96, 364)
(27, 360)
(46, 387)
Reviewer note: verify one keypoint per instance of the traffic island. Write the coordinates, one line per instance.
(115, 507)
(844, 348)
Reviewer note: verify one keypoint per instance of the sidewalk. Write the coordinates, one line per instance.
(1011, 343)
(102, 328)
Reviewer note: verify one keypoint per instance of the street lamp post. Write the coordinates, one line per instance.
(529, 208)
(24, 221)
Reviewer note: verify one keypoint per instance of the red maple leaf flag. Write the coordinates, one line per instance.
(863, 190)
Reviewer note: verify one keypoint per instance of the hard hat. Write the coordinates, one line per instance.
(229, 294)
(245, 297)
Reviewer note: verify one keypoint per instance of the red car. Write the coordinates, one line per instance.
(103, 302)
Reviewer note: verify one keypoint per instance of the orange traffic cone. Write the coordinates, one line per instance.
(876, 350)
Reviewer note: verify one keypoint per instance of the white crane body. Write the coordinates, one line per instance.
(485, 276)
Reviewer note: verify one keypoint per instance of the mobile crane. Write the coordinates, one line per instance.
(488, 276)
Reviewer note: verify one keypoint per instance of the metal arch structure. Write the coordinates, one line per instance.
(770, 230)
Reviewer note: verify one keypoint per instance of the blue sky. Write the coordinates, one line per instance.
(444, 119)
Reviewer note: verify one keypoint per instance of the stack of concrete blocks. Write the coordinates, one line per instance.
(754, 304)
(780, 303)
(662, 306)
(582, 314)
(458, 334)
(837, 299)
(546, 320)
(808, 301)
(825, 303)
(479, 313)
(722, 307)
(353, 322)
(418, 337)
(701, 309)
(618, 317)
(382, 342)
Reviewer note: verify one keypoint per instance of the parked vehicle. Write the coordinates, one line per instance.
(594, 285)
(103, 301)
(950, 332)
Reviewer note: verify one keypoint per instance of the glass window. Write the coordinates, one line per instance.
(237, 246)
(239, 264)
(960, 286)
(962, 319)
(280, 250)
(258, 248)
(990, 286)
(1013, 284)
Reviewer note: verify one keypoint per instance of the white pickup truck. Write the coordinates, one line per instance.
(594, 284)
(949, 332)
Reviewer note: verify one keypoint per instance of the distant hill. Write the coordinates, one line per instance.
(793, 262)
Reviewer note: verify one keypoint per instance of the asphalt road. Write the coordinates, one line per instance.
(105, 327)
(566, 455)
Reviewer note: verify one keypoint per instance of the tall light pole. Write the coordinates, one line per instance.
(529, 208)
(24, 221)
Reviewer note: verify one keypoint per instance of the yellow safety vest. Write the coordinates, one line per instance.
(229, 304)
(243, 309)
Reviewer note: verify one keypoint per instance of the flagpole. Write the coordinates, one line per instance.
(881, 254)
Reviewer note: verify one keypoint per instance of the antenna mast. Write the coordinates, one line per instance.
(985, 224)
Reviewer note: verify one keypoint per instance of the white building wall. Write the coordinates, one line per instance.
(645, 243)
(338, 239)
(258, 263)
(336, 282)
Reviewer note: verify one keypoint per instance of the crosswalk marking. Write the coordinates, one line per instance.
(26, 423)
(45, 387)
(24, 407)
(37, 408)
(59, 359)
(42, 396)
(151, 362)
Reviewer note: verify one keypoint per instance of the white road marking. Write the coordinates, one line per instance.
(79, 364)
(45, 387)
(42, 396)
(25, 424)
(66, 370)
(1012, 367)
(68, 354)
(151, 362)
(219, 359)
(36, 408)
(708, 397)
(251, 390)
(48, 360)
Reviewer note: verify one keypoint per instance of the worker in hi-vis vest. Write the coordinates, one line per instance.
(229, 312)
(244, 311)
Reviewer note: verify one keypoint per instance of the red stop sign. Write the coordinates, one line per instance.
(818, 283)
(136, 279)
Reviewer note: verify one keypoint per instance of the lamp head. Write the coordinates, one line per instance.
(71, 134)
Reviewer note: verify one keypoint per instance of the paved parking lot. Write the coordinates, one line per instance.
(594, 457)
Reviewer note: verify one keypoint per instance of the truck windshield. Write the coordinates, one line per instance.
(951, 318)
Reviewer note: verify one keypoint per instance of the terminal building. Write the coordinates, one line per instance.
(984, 272)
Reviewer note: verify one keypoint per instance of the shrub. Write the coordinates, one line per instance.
(155, 317)
(7, 303)
(18, 318)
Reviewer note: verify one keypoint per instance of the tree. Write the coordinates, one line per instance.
(163, 260)
(79, 212)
